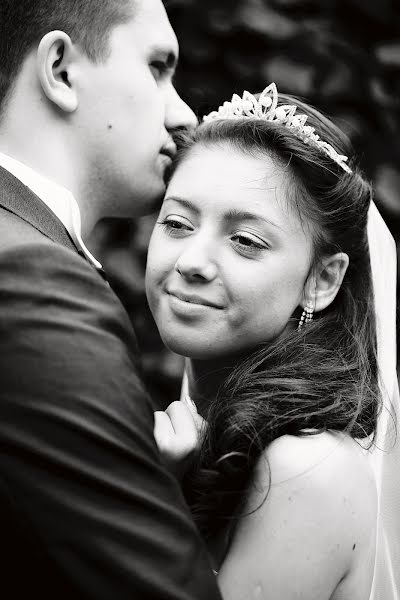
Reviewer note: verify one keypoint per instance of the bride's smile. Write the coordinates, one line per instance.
(191, 298)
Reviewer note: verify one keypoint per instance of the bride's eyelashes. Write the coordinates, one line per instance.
(244, 243)
(248, 244)
(175, 226)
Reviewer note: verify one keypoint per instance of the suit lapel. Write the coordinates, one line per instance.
(20, 200)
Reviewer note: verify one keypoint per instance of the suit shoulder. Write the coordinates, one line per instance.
(20, 238)
(49, 277)
(37, 258)
(15, 231)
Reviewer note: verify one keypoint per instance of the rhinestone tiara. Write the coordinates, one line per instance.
(266, 108)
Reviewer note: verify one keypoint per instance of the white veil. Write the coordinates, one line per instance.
(385, 456)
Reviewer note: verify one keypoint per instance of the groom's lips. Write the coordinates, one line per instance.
(169, 150)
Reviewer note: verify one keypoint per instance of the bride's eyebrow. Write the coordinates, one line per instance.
(186, 203)
(243, 215)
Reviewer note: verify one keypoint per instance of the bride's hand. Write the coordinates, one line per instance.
(177, 432)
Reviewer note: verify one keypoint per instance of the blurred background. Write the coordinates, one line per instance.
(343, 56)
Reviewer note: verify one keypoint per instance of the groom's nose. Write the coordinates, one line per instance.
(178, 113)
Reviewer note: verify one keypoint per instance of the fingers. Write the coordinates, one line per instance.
(162, 427)
(184, 425)
(163, 431)
(176, 432)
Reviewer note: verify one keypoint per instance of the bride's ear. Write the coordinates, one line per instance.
(55, 64)
(325, 282)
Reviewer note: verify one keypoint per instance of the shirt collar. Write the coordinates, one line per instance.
(60, 200)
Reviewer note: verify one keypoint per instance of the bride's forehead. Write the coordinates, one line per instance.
(223, 153)
(224, 179)
(224, 169)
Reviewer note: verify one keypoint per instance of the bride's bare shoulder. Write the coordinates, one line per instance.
(329, 471)
(312, 513)
(326, 475)
(318, 456)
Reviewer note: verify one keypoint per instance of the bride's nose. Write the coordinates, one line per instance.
(196, 263)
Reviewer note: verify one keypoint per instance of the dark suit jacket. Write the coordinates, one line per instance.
(87, 509)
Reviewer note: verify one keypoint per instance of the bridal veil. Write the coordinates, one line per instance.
(385, 454)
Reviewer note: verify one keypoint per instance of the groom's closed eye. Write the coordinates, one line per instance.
(164, 63)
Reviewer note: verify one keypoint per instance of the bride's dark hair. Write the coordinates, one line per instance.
(323, 377)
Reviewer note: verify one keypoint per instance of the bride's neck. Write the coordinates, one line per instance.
(205, 379)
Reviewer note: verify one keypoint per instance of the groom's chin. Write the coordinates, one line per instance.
(146, 201)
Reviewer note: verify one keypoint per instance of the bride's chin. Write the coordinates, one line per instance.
(203, 351)
(192, 353)
(189, 350)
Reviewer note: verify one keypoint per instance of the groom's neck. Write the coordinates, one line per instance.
(47, 153)
(38, 138)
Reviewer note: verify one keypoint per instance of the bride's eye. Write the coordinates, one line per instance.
(248, 244)
(175, 226)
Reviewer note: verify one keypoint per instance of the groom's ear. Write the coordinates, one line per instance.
(325, 281)
(55, 68)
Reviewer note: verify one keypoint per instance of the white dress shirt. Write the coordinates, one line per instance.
(60, 200)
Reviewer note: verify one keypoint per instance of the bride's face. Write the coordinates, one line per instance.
(228, 258)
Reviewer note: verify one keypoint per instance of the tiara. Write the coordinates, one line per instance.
(267, 109)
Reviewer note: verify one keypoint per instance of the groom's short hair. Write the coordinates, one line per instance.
(24, 22)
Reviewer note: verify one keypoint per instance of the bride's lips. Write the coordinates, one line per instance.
(194, 299)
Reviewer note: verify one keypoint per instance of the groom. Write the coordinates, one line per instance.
(87, 113)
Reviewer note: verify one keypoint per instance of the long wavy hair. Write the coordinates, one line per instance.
(323, 377)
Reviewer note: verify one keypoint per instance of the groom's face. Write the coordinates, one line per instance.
(128, 111)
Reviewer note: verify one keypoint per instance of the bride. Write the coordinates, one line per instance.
(259, 272)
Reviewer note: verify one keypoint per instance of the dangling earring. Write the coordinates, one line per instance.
(306, 315)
